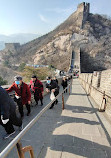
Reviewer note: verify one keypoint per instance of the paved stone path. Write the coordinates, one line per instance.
(79, 131)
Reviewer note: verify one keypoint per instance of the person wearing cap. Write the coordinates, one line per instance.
(22, 94)
(8, 116)
(37, 88)
(52, 86)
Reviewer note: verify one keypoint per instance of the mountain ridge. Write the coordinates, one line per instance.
(91, 33)
(16, 38)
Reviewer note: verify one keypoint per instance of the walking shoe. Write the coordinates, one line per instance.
(41, 104)
(8, 135)
(28, 113)
(36, 104)
(22, 115)
(56, 101)
(21, 128)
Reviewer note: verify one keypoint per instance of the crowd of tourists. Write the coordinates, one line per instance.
(22, 97)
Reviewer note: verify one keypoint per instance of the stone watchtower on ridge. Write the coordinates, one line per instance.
(12, 46)
(83, 10)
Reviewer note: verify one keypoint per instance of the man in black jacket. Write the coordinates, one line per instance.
(8, 116)
(52, 86)
(64, 83)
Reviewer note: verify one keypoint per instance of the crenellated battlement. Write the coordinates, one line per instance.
(83, 7)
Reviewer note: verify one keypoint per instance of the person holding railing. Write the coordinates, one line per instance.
(37, 88)
(22, 94)
(8, 116)
(53, 88)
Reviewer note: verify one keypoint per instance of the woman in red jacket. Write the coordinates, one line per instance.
(22, 94)
(37, 88)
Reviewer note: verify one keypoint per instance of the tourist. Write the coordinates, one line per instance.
(8, 116)
(37, 88)
(64, 83)
(53, 88)
(22, 94)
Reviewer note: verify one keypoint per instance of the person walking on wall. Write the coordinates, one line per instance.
(37, 88)
(22, 94)
(64, 83)
(52, 87)
(55, 79)
(8, 116)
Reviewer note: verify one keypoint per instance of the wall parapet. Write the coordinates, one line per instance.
(97, 84)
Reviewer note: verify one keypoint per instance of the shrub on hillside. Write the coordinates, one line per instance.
(21, 67)
(41, 73)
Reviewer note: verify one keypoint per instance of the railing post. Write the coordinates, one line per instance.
(103, 101)
(69, 89)
(30, 150)
(19, 149)
(62, 101)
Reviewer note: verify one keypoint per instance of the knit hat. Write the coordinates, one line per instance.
(34, 76)
(48, 78)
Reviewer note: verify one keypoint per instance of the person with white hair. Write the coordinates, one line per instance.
(22, 94)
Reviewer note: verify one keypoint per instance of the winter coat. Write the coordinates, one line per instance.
(23, 92)
(7, 105)
(53, 85)
(36, 86)
(56, 80)
(64, 83)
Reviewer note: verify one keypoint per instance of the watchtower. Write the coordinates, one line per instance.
(83, 10)
(12, 46)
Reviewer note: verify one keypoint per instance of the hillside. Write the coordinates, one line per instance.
(91, 33)
(19, 38)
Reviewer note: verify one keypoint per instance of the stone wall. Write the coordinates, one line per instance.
(12, 46)
(96, 84)
(83, 12)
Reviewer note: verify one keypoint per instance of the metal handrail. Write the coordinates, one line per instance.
(12, 144)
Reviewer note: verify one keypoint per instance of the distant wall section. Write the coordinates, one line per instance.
(12, 46)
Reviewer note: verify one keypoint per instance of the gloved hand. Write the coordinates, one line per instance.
(4, 121)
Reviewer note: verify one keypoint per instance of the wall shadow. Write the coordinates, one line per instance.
(81, 109)
(66, 120)
(80, 147)
(79, 94)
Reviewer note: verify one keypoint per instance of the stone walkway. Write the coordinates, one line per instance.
(79, 131)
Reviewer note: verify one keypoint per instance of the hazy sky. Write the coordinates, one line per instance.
(42, 16)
